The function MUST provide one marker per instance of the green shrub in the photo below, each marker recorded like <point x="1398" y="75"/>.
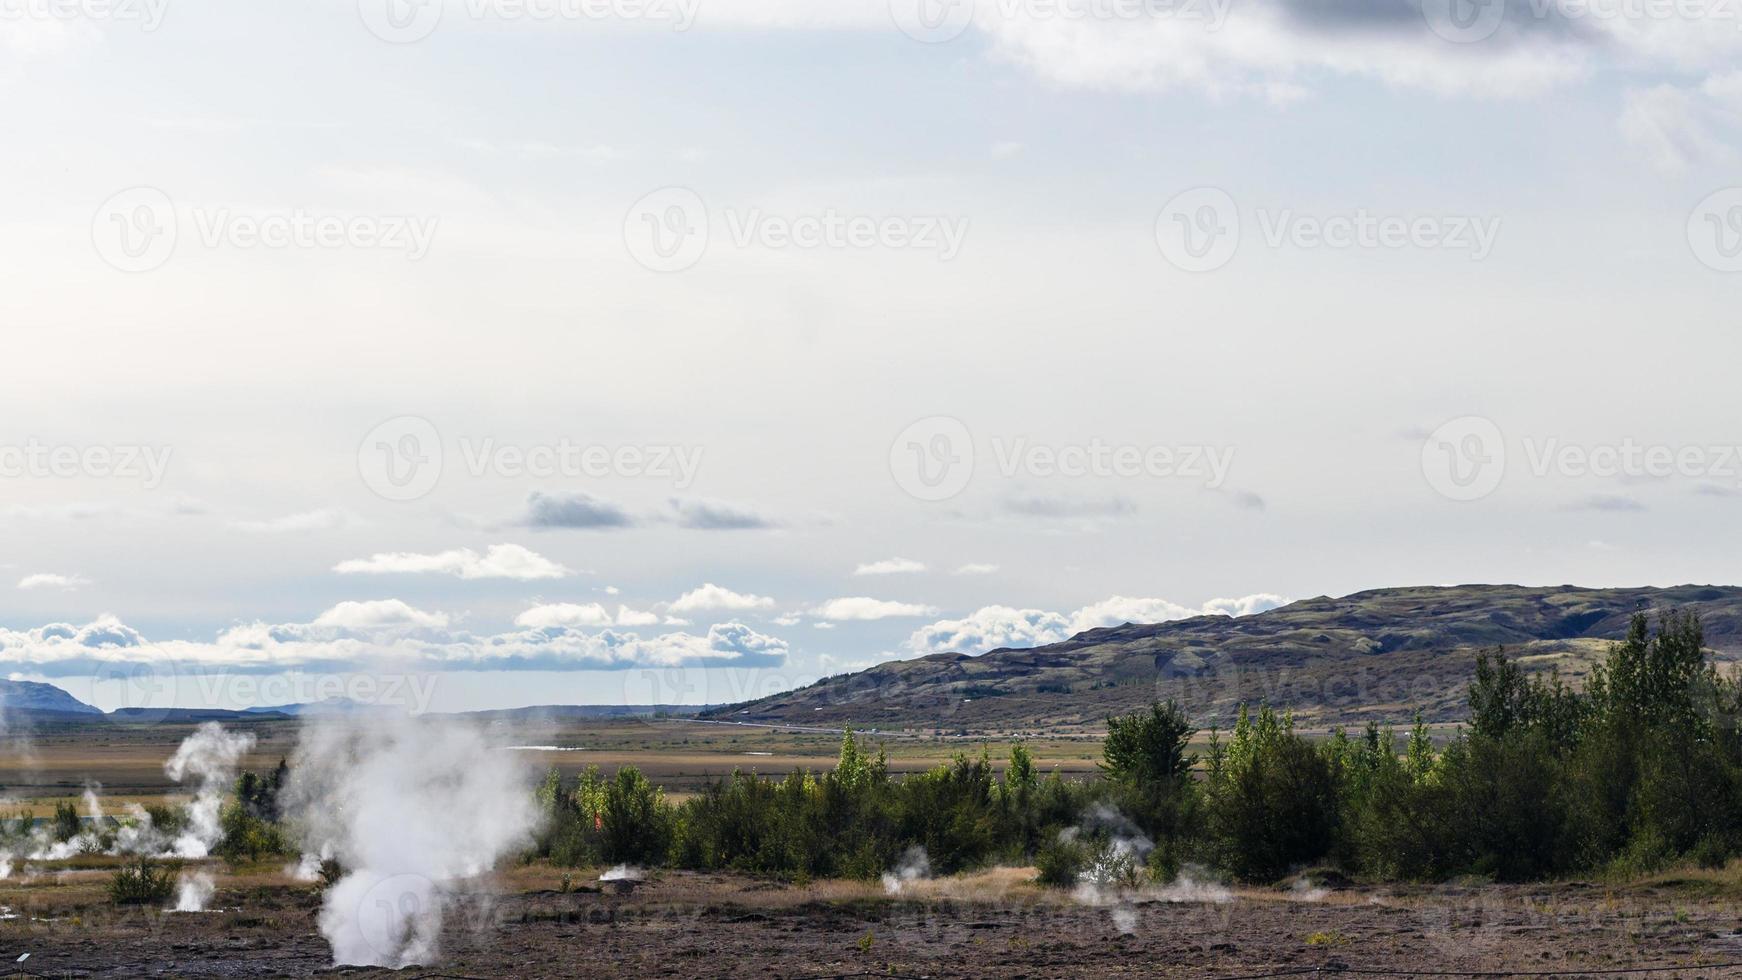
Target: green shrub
<point x="143" y="881"/>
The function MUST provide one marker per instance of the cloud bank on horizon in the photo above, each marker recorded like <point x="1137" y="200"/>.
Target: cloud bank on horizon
<point x="390" y="634"/>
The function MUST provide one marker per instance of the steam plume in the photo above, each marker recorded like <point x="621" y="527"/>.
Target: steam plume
<point x="409" y="807"/>
<point x="210" y="756"/>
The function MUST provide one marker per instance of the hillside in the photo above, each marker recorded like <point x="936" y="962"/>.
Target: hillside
<point x="30" y="696"/>
<point x="1380" y="655"/>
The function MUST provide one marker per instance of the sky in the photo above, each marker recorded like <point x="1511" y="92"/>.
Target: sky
<point x="492" y="353"/>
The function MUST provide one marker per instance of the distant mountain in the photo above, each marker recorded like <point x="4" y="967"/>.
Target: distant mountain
<point x="330" y="706"/>
<point x="44" y="698"/>
<point x="1380" y="655"/>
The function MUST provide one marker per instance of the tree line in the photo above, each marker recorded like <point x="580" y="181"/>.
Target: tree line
<point x="1639" y="770"/>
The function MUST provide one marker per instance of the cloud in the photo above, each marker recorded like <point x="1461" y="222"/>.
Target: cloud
<point x="995" y="627"/>
<point x="713" y="597"/>
<point x="510" y="561"/>
<point x="1612" y="502"/>
<point x="715" y="515"/>
<point x="380" y="614"/>
<point x="1245" y="605"/>
<point x="890" y="566"/>
<point x="582" y="614"/>
<point x="51" y="580"/>
<point x="324" y="519"/>
<point x="1053" y="507"/>
<point x="1674" y="127"/>
<point x="1246" y="499"/>
<point x="388" y="633"/>
<point x="636" y="617"/>
<point x="863" y="608"/>
<point x="975" y="568"/>
<point x="1275" y="50"/>
<point x="573" y="510"/>
<point x="564" y="614"/>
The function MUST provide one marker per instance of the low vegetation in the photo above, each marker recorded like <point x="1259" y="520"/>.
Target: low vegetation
<point x="143" y="881"/>
<point x="1640" y="770"/>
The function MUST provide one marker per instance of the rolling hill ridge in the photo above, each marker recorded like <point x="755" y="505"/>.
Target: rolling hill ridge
<point x="1377" y="655"/>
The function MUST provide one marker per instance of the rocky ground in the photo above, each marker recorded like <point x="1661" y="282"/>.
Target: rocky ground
<point x="997" y="924"/>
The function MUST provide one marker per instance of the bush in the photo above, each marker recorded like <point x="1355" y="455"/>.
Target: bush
<point x="143" y="881"/>
<point x="1061" y="861"/>
<point x="1272" y="799"/>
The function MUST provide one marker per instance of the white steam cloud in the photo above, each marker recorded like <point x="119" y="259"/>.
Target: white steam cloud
<point x="410" y="808"/>
<point x="209" y="756"/>
<point x="915" y="865"/>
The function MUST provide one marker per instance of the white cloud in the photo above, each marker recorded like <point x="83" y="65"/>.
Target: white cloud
<point x="1245" y="605"/>
<point x="382" y="632"/>
<point x="990" y="628"/>
<point x="564" y="614"/>
<point x="890" y="566"/>
<point x="582" y="614"/>
<point x="975" y="568"/>
<point x="510" y="561"/>
<point x="1674" y="127"/>
<point x="324" y="519"/>
<point x="863" y="607"/>
<point x="994" y="627"/>
<point x="51" y="580"/>
<point x="380" y="614"/>
<point x="635" y="617"/>
<point x="713" y="597"/>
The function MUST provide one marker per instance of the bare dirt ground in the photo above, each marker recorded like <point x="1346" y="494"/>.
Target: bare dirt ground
<point x="996" y="924"/>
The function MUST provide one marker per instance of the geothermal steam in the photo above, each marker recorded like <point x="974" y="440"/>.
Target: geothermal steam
<point x="915" y="865"/>
<point x="195" y="891"/>
<point x="209" y="756"/>
<point x="409" y="808"/>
